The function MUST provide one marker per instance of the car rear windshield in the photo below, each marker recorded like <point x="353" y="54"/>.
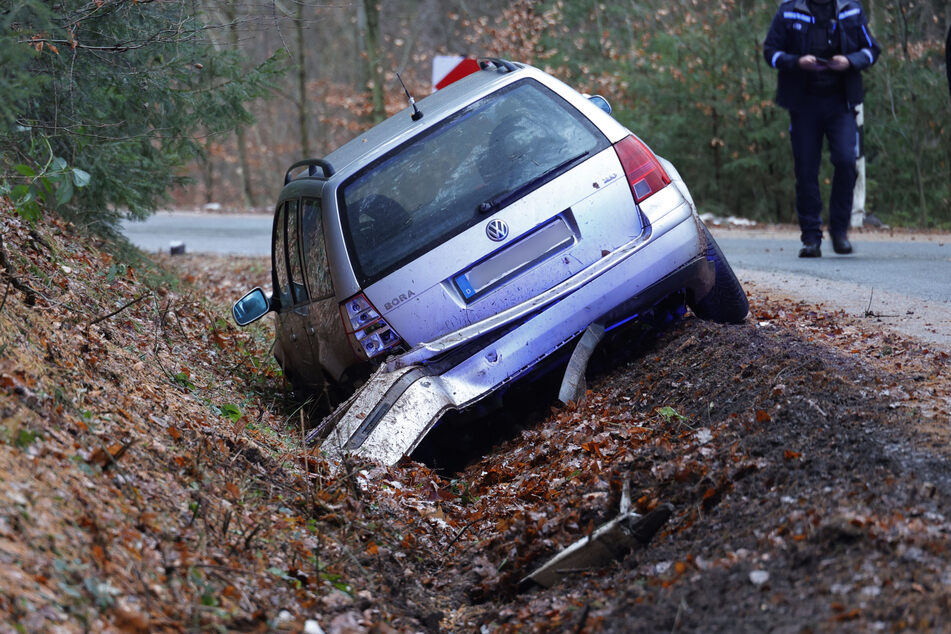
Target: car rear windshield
<point x="484" y="157"/>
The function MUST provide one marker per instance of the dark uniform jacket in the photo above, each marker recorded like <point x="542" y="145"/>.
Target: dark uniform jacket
<point x="789" y="39"/>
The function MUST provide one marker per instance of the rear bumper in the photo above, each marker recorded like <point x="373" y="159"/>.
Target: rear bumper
<point x="665" y="264"/>
<point x="671" y="240"/>
<point x="406" y="397"/>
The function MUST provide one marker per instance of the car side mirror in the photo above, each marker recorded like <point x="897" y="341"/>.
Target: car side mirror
<point x="251" y="307"/>
<point x="600" y="102"/>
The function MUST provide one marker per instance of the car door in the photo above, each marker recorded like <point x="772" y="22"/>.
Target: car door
<point x="323" y="323"/>
<point x="296" y="338"/>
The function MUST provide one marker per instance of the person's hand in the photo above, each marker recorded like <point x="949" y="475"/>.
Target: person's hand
<point x="809" y="62"/>
<point x="839" y="63"/>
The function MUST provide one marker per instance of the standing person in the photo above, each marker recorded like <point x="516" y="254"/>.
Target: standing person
<point x="820" y="48"/>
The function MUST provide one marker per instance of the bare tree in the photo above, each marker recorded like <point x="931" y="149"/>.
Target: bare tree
<point x="303" y="100"/>
<point x="368" y="20"/>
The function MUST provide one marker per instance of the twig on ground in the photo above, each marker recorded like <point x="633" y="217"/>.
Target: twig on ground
<point x="584" y="618"/>
<point x="9" y="273"/>
<point x="120" y="309"/>
<point x="459" y="534"/>
<point x="815" y="405"/>
<point x="248" y="539"/>
<point x="6" y="290"/>
<point x="40" y="239"/>
<point x="786" y="367"/>
<point x="680" y="611"/>
<point x="868" y="309"/>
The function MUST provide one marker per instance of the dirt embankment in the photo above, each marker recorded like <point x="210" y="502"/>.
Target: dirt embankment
<point x="151" y="477"/>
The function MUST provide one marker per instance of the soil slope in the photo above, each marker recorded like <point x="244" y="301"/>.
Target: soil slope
<point x="151" y="476"/>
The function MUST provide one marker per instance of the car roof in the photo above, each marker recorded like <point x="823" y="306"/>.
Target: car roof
<point x="435" y="107"/>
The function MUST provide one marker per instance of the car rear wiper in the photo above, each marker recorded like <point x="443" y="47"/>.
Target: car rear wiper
<point x="503" y="198"/>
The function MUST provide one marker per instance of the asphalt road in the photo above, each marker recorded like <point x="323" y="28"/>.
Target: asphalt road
<point x="903" y="280"/>
<point x="239" y="234"/>
<point x="918" y="268"/>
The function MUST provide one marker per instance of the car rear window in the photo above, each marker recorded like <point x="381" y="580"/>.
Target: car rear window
<point x="457" y="173"/>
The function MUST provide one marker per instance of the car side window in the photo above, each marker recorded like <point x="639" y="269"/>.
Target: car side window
<point x="295" y="267"/>
<point x="279" y="258"/>
<point x="314" y="250"/>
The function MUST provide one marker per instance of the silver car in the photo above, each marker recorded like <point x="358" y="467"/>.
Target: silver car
<point x="453" y="247"/>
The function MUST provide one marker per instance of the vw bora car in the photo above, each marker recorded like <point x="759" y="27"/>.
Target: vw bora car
<point x="469" y="238"/>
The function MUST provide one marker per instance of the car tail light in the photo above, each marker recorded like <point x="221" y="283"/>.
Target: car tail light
<point x="369" y="334"/>
<point x="644" y="172"/>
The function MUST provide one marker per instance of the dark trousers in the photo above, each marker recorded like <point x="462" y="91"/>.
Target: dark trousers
<point x="807" y="130"/>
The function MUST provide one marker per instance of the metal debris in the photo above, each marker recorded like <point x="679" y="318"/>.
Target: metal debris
<point x="609" y="542"/>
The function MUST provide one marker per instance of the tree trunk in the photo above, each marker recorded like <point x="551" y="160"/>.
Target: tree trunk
<point x="716" y="142"/>
<point x="303" y="104"/>
<point x="244" y="169"/>
<point x="920" y="179"/>
<point x="207" y="167"/>
<point x="369" y="15"/>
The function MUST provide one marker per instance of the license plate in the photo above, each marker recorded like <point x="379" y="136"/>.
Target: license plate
<point x="515" y="258"/>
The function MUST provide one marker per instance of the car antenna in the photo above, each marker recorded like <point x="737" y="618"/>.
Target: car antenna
<point x="417" y="115"/>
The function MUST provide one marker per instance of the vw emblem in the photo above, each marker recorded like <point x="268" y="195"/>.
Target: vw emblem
<point x="497" y="230"/>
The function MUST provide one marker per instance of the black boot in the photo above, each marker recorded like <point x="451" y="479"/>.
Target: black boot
<point x="841" y="245"/>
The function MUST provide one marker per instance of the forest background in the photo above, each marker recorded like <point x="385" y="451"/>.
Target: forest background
<point x="117" y="107"/>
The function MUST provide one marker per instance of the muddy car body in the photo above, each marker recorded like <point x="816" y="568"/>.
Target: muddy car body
<point x="466" y="241"/>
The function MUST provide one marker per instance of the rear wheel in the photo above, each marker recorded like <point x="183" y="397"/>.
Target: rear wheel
<point x="726" y="302"/>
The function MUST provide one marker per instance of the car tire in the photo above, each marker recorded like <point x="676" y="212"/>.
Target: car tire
<point x="726" y="302"/>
